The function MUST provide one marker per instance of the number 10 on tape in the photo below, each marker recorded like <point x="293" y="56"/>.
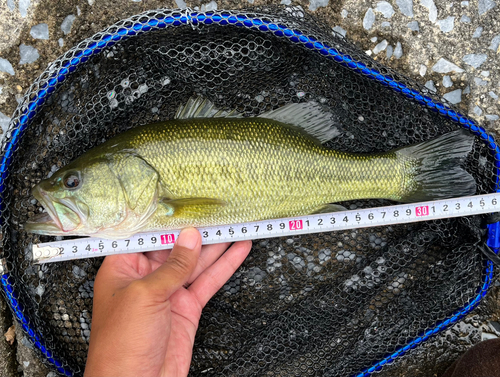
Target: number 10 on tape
<point x="167" y="239"/>
<point x="324" y="222"/>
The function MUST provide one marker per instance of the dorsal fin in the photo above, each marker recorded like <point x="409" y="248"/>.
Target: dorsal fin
<point x="199" y="107"/>
<point x="310" y="116"/>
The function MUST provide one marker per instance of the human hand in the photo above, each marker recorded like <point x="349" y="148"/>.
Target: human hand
<point x="147" y="306"/>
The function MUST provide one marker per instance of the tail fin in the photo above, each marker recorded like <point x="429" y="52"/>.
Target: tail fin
<point x="433" y="168"/>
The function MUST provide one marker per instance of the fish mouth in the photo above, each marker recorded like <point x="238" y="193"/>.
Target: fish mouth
<point x="42" y="223"/>
<point x="50" y="222"/>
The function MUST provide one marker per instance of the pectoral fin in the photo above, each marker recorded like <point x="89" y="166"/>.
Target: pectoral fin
<point x="191" y="208"/>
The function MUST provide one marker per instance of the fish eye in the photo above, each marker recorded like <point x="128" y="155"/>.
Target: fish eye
<point x="72" y="181"/>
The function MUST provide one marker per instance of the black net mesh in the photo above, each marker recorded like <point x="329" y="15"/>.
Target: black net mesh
<point x="328" y="304"/>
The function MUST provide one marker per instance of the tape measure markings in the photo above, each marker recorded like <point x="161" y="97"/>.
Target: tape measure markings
<point x="324" y="222"/>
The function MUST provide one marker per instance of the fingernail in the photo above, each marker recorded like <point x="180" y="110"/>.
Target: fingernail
<point x="188" y="238"/>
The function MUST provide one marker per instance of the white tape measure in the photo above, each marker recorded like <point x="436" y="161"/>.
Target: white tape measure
<point x="324" y="222"/>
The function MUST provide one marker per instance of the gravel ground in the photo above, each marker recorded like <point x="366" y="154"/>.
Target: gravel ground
<point x="452" y="46"/>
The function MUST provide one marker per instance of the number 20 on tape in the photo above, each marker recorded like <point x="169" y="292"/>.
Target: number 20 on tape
<point x="295" y="224"/>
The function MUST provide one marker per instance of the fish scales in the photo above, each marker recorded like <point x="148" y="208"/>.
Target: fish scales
<point x="259" y="168"/>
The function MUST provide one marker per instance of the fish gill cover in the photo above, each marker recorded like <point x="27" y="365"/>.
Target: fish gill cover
<point x="331" y="304"/>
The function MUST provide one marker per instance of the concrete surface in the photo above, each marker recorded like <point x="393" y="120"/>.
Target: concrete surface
<point x="425" y="31"/>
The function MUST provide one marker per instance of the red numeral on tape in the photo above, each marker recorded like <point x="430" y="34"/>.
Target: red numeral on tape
<point x="295" y="224"/>
<point x="167" y="238"/>
<point x="422" y="211"/>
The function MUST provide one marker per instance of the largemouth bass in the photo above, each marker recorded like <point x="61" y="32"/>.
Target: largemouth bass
<point x="212" y="168"/>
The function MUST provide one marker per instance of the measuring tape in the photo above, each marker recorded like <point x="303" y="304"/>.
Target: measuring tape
<point x="325" y="222"/>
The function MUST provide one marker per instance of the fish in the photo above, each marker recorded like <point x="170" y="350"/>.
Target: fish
<point x="209" y="167"/>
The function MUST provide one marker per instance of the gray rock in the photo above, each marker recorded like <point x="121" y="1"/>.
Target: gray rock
<point x="491" y="117"/>
<point x="444" y="66"/>
<point x="286" y="2"/>
<point x="429" y="4"/>
<point x="60" y="41"/>
<point x="484" y="6"/>
<point x="385" y="8"/>
<point x="315" y="4"/>
<point x="405" y="7"/>
<point x="40" y="290"/>
<point x="67" y="23"/>
<point x="493" y="95"/>
<point x="28" y="54"/>
<point x="477" y="110"/>
<point x="28" y="344"/>
<point x="465" y="19"/>
<point x="340" y="30"/>
<point x="480" y="82"/>
<point x="466" y="90"/>
<point x="398" y="51"/>
<point x="6" y="67"/>
<point x="208" y="7"/>
<point x="369" y="19"/>
<point x="485" y="73"/>
<point x="478" y="32"/>
<point x="344" y="13"/>
<point x="464" y="3"/>
<point x="495" y="326"/>
<point x="385" y="24"/>
<point x="40" y="31"/>
<point x="373" y="39"/>
<point x="28" y="361"/>
<point x="495" y="43"/>
<point x="180" y="4"/>
<point x="423" y="70"/>
<point x="413" y="25"/>
<point x="454" y="96"/>
<point x="23" y="7"/>
<point x="389" y="51"/>
<point x="380" y="47"/>
<point x="447" y="81"/>
<point x="4" y="123"/>
<point x="487" y="336"/>
<point x="447" y="24"/>
<point x="475" y="60"/>
<point x="430" y="85"/>
<point x="11" y="5"/>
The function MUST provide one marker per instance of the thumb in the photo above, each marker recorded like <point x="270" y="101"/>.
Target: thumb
<point x="179" y="266"/>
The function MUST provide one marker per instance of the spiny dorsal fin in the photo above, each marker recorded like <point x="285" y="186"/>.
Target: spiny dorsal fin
<point x="310" y="116"/>
<point x="199" y="107"/>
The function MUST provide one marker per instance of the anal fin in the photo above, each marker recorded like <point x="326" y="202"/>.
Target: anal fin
<point x="327" y="208"/>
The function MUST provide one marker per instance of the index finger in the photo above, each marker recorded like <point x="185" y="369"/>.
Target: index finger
<point x="214" y="277"/>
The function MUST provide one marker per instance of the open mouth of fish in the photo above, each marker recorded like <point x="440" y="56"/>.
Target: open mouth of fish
<point x="50" y="222"/>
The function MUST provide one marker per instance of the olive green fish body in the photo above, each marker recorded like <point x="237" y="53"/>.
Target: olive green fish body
<point x="257" y="167"/>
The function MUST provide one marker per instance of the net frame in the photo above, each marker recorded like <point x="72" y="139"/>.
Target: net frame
<point x="61" y="70"/>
